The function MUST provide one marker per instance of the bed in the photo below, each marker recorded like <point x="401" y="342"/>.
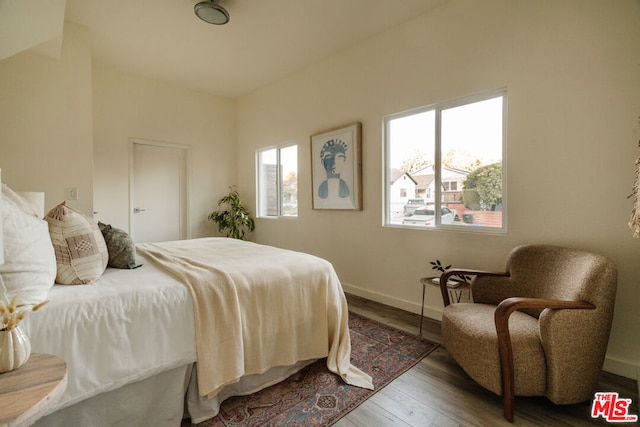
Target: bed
<point x="201" y="320"/>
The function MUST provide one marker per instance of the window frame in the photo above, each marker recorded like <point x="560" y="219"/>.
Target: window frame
<point x="279" y="181"/>
<point x="438" y="108"/>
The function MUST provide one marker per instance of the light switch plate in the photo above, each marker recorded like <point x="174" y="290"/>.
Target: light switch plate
<point x="72" y="193"/>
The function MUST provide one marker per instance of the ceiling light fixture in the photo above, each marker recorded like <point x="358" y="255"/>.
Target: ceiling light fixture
<point x="210" y="11"/>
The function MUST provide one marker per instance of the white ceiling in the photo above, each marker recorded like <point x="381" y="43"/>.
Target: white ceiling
<point x="264" y="41"/>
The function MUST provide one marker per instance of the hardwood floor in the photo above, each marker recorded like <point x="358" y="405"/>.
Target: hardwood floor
<point x="437" y="392"/>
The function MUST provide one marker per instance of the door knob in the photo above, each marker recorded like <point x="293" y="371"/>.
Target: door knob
<point x="138" y="210"/>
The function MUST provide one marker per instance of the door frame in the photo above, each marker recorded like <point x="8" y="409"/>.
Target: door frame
<point x="185" y="230"/>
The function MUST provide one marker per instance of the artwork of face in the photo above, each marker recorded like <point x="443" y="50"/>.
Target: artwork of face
<point x="335" y="168"/>
<point x="334" y="157"/>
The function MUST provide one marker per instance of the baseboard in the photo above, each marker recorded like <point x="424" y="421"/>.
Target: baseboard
<point x="624" y="368"/>
<point x="410" y="306"/>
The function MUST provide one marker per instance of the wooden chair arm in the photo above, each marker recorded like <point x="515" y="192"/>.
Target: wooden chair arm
<point x="502" y="313"/>
<point x="456" y="271"/>
<point x="509" y="305"/>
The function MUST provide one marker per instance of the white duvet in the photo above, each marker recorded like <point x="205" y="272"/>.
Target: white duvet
<point x="133" y="324"/>
<point x="125" y="327"/>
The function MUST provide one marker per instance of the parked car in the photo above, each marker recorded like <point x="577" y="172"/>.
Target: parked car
<point x="426" y="216"/>
<point x="412" y="205"/>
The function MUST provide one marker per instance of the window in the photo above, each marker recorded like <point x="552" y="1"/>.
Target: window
<point x="450" y="185"/>
<point x="278" y="182"/>
<point x="452" y="153"/>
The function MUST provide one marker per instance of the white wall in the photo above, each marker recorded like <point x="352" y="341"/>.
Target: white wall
<point x="67" y="123"/>
<point x="25" y="24"/>
<point x="126" y="107"/>
<point x="571" y="71"/>
<point x="46" y="122"/>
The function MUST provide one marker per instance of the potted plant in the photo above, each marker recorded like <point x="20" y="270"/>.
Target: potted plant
<point x="234" y="219"/>
<point x="15" y="347"/>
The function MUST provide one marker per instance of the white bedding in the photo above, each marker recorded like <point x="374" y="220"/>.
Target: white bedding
<point x="258" y="307"/>
<point x="131" y="325"/>
<point x="127" y="326"/>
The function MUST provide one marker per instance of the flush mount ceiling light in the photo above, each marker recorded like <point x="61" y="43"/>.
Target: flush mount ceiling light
<point x="210" y="11"/>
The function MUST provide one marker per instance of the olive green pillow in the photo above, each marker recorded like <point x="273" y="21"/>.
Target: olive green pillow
<point x="122" y="249"/>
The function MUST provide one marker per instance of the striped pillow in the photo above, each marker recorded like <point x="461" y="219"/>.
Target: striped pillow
<point x="81" y="253"/>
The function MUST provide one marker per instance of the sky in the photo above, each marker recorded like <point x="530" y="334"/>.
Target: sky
<point x="474" y="128"/>
<point x="288" y="158"/>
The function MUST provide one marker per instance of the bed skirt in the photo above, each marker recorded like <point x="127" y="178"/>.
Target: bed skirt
<point x="162" y="400"/>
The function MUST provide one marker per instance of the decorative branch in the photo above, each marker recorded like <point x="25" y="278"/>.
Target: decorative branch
<point x="11" y="315"/>
<point x="437" y="265"/>
<point x="634" y="223"/>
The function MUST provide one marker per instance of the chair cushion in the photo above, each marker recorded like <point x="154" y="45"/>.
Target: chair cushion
<point x="469" y="334"/>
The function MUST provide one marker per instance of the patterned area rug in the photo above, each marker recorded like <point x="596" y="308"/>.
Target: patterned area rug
<point x="316" y="397"/>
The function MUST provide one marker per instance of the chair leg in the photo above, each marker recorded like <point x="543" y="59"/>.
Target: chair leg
<point x="507" y="404"/>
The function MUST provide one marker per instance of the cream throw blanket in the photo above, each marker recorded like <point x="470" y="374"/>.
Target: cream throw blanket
<point x="257" y="307"/>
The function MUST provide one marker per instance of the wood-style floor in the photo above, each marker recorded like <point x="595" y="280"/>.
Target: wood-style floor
<point x="437" y="392"/>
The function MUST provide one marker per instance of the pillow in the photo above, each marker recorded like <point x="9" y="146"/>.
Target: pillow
<point x="29" y="268"/>
<point x="22" y="203"/>
<point x="81" y="253"/>
<point x="122" y="250"/>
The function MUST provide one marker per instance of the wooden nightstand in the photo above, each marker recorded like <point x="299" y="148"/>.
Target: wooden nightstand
<point x="28" y="392"/>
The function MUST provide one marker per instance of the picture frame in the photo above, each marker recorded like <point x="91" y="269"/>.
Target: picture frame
<point x="336" y="168"/>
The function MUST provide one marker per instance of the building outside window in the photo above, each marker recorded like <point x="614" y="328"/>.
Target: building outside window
<point x="453" y="154"/>
<point x="277" y="181"/>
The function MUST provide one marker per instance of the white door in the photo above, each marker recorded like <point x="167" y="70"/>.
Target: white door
<point x="159" y="192"/>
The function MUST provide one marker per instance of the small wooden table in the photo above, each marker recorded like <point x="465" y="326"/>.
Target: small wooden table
<point x="28" y="392"/>
<point x="455" y="294"/>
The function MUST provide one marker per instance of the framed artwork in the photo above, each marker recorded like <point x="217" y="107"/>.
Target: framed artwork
<point x="336" y="168"/>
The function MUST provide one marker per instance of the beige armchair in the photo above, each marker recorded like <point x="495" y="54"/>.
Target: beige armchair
<point x="540" y="328"/>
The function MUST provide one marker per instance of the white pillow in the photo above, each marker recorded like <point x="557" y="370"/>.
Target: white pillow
<point x="81" y="252"/>
<point x="19" y="201"/>
<point x="29" y="270"/>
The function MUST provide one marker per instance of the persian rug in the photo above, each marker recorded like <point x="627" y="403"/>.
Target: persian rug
<point x="316" y="397"/>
